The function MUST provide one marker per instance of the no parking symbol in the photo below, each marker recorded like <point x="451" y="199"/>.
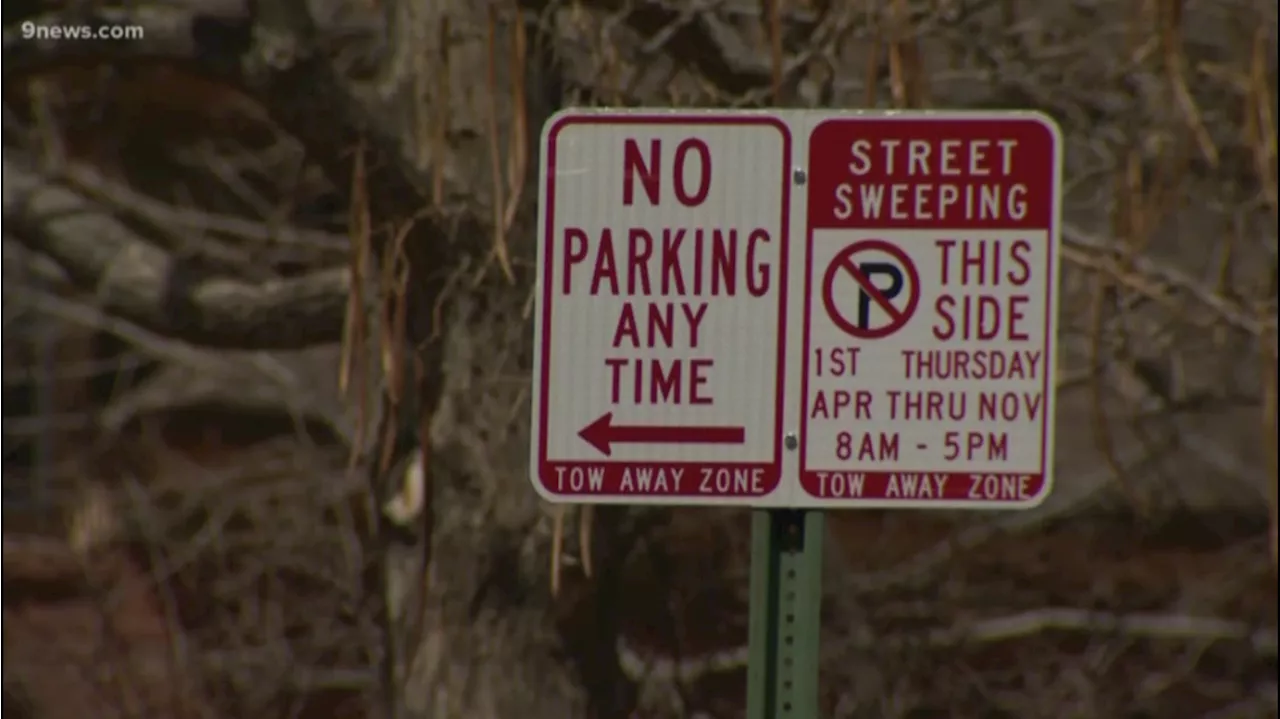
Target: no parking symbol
<point x="871" y="275"/>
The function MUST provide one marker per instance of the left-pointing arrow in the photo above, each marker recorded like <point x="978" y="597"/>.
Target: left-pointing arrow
<point x="603" y="433"/>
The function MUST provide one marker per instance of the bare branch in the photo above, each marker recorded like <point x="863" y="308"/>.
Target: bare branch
<point x="298" y="384"/>
<point x="119" y="196"/>
<point x="146" y="285"/>
<point x="1156" y="280"/>
<point x="39" y="560"/>
<point x="1169" y="627"/>
<point x="673" y="671"/>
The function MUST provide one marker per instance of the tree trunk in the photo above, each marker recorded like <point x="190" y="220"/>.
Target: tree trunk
<point x="430" y="117"/>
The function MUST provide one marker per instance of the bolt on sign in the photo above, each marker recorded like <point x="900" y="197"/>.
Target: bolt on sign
<point x="865" y="317"/>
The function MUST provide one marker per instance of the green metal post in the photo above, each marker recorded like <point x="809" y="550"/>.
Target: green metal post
<point x="786" y="604"/>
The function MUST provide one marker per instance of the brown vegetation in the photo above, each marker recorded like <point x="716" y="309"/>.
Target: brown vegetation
<point x="255" y="257"/>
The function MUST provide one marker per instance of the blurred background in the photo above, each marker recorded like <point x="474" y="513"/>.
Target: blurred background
<point x="257" y="255"/>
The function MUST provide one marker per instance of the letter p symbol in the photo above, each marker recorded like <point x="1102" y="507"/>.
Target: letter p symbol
<point x="871" y="271"/>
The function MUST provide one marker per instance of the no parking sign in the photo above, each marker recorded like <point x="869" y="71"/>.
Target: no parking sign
<point x="896" y="300"/>
<point x="928" y="338"/>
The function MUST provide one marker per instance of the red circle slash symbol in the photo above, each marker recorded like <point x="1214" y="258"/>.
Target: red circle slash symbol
<point x="903" y="279"/>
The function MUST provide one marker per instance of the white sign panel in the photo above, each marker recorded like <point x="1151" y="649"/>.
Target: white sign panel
<point x="661" y="335"/>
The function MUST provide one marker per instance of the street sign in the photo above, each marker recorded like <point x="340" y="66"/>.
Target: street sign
<point x="863" y="319"/>
<point x="661" y="333"/>
<point x="797" y="309"/>
<point x="930" y="311"/>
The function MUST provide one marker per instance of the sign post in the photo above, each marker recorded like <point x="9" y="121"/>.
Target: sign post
<point x="796" y="311"/>
<point x="785" y="612"/>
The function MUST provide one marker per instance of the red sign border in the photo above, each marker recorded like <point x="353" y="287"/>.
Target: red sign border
<point x="1052" y="230"/>
<point x="546" y="276"/>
